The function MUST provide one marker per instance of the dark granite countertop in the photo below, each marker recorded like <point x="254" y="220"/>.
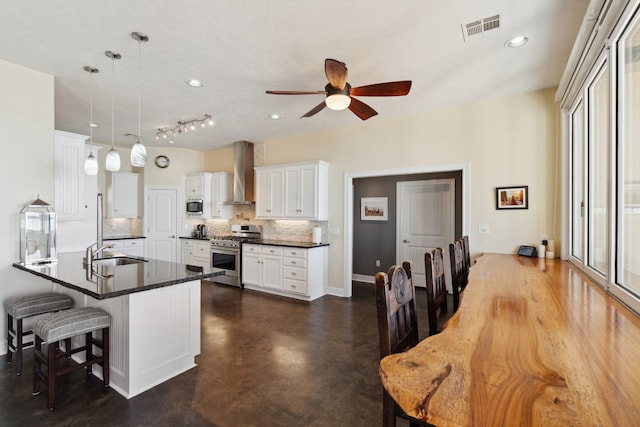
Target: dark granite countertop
<point x="290" y="243"/>
<point x="70" y="272"/>
<point x="195" y="238"/>
<point x="124" y="237"/>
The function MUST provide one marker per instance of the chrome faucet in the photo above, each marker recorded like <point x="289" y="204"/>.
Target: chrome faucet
<point x="91" y="254"/>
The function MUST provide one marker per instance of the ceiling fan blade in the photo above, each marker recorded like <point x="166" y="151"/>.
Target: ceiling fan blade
<point x="336" y="72"/>
<point x="315" y="109"/>
<point x="297" y="92"/>
<point x="361" y="109"/>
<point x="383" y="89"/>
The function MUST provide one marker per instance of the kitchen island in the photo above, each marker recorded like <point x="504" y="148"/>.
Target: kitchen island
<point x="154" y="307"/>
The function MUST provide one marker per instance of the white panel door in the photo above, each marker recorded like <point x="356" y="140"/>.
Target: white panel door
<point x="426" y="220"/>
<point x="161" y="212"/>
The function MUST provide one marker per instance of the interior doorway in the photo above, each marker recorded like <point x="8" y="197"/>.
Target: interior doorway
<point x="425" y="221"/>
<point x="161" y="222"/>
<point x="352" y="214"/>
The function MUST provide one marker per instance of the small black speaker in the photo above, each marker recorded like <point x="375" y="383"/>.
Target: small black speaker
<point x="529" y="251"/>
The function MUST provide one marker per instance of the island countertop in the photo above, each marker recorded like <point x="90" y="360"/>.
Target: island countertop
<point x="108" y="281"/>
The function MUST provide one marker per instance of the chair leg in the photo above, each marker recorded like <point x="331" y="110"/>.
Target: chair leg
<point x="51" y="374"/>
<point x="105" y="357"/>
<point x="88" y="349"/>
<point x="19" y="347"/>
<point x="456" y="298"/>
<point x="37" y="351"/>
<point x="388" y="410"/>
<point x="9" y="337"/>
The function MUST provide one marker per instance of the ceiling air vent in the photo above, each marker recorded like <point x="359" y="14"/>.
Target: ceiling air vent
<point x="477" y="28"/>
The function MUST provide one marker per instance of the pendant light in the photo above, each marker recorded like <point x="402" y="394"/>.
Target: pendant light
<point x="138" y="151"/>
<point x="91" y="163"/>
<point x="113" y="157"/>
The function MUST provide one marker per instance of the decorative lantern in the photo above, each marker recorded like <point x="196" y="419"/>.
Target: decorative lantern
<point x="37" y="233"/>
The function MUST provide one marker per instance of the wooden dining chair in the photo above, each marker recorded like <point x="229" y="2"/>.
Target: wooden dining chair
<point x="397" y="326"/>
<point x="458" y="271"/>
<point x="436" y="287"/>
<point x="467" y="256"/>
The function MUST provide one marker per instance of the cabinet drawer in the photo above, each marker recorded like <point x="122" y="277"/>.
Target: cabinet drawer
<point x="272" y="250"/>
<point x="297" y="286"/>
<point x="133" y="243"/>
<point x="186" y="243"/>
<point x="295" y="262"/>
<point x="295" y="252"/>
<point x="294" y="273"/>
<point x="201" y="249"/>
<point x="252" y="249"/>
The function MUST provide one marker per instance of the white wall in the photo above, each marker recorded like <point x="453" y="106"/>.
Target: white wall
<point x="27" y="123"/>
<point x="507" y="142"/>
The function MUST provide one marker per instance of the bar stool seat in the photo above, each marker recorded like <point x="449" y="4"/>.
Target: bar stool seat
<point x="63" y="326"/>
<point x="22" y="307"/>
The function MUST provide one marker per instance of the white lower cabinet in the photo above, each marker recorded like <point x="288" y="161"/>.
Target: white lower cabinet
<point x="196" y="252"/>
<point x="295" y="272"/>
<point x="133" y="247"/>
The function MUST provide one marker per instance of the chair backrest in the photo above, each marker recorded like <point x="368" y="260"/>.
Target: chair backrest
<point x="396" y="305"/>
<point x="436" y="286"/>
<point x="458" y="271"/>
<point x="467" y="256"/>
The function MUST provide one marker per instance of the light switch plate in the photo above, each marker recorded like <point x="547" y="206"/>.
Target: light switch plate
<point x="483" y="229"/>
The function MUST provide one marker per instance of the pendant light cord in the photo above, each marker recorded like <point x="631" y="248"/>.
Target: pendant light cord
<point x="113" y="109"/>
<point x="139" y="87"/>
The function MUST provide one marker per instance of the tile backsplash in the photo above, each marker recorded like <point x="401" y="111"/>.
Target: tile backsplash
<point x="294" y="230"/>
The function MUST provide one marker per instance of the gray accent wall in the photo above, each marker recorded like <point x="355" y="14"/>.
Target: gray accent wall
<point x="376" y="240"/>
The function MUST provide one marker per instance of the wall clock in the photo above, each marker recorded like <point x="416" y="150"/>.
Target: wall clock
<point x="162" y="161"/>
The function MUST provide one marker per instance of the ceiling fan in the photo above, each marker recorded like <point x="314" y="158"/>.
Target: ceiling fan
<point x="340" y="94"/>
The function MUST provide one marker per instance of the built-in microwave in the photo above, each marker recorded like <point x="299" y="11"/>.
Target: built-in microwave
<point x="195" y="207"/>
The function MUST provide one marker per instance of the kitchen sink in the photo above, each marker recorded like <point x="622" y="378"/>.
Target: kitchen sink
<point x="113" y="261"/>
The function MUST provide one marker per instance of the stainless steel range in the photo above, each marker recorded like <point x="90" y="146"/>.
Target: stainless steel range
<point x="226" y="252"/>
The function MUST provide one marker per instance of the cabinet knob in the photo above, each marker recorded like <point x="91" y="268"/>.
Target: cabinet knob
<point x="293" y="262"/>
<point x="293" y="273"/>
<point x="293" y="286"/>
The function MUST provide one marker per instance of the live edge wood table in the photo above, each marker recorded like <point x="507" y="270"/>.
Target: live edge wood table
<point x="534" y="343"/>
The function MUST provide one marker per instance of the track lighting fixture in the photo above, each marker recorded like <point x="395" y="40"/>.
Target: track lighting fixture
<point x="184" y="127"/>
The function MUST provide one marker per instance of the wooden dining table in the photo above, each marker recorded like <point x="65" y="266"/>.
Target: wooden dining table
<point x="533" y="343"/>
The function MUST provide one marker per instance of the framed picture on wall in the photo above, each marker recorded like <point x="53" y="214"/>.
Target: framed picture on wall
<point x="512" y="197"/>
<point x="374" y="209"/>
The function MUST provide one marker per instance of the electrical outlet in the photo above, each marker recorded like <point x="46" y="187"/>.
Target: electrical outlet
<point x="483" y="229"/>
<point x="377" y="263"/>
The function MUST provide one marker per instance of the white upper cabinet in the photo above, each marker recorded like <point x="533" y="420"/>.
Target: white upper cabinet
<point x="270" y="193"/>
<point x="198" y="184"/>
<point x="122" y="195"/>
<point x="69" y="176"/>
<point x="304" y="191"/>
<point x="221" y="192"/>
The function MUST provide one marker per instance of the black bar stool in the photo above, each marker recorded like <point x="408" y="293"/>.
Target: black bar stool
<point x="20" y="308"/>
<point x="63" y="326"/>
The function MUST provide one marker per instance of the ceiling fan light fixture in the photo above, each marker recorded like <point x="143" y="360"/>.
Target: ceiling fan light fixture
<point x="338" y="101"/>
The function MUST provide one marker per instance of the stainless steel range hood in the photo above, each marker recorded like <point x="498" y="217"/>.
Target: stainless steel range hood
<point x="243" y="174"/>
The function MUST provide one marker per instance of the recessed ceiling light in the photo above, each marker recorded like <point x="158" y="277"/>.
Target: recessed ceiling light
<point x="517" y="41"/>
<point x="171" y="142"/>
<point x="275" y="116"/>
<point x="194" y="83"/>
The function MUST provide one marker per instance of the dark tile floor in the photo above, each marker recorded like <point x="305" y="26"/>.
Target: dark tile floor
<point x="265" y="361"/>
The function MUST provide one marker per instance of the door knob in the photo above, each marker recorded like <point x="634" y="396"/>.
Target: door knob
<point x="172" y="237"/>
<point x="407" y="241"/>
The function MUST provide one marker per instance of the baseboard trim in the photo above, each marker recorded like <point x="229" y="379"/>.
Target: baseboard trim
<point x="363" y="278"/>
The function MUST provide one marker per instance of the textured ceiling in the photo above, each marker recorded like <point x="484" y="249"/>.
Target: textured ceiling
<point x="241" y="48"/>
